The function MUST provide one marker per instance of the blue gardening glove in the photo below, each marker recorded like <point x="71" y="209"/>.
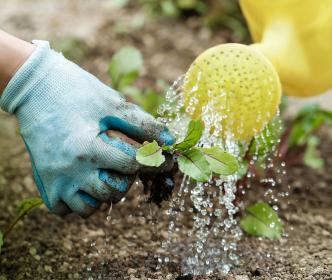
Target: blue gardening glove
<point x="63" y="113"/>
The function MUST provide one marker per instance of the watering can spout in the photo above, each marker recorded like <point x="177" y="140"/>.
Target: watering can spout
<point x="296" y="36"/>
<point x="279" y="41"/>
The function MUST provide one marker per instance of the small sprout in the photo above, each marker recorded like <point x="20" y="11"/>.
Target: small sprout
<point x="150" y="155"/>
<point x="311" y="157"/>
<point x="197" y="163"/>
<point x="307" y="121"/>
<point x="125" y="67"/>
<point x="262" y="220"/>
<point x="24" y="207"/>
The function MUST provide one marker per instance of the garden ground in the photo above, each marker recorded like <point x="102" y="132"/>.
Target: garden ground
<point x="44" y="246"/>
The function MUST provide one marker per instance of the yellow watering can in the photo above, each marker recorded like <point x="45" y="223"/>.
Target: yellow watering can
<point x="240" y="85"/>
<point x="296" y="36"/>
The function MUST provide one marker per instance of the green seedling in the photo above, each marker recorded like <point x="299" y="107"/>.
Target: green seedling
<point x="300" y="136"/>
<point x="196" y="162"/>
<point x="24" y="207"/>
<point x="261" y="220"/>
<point x="124" y="69"/>
<point x="293" y="143"/>
<point x="311" y="157"/>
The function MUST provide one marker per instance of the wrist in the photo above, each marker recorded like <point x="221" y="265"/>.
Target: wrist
<point x="13" y="53"/>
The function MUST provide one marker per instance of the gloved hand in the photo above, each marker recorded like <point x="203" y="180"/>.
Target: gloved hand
<point x="63" y="114"/>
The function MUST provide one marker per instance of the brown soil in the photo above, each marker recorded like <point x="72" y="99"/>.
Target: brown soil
<point x="44" y="246"/>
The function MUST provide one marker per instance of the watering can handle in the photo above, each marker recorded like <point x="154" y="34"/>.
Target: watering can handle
<point x="300" y="49"/>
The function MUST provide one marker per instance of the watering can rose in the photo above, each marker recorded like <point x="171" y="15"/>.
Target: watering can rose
<point x="236" y="84"/>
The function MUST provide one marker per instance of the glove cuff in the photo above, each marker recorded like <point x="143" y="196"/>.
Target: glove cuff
<point x="27" y="77"/>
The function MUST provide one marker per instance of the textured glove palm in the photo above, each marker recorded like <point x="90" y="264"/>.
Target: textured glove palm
<point x="63" y="113"/>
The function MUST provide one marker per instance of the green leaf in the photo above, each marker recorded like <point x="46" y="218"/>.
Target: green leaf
<point x="262" y="220"/>
<point x="169" y="9"/>
<point x="194" y="164"/>
<point x="327" y="117"/>
<point x="311" y="157"/>
<point x="126" y="80"/>
<point x="303" y="128"/>
<point x="308" y="119"/>
<point x="194" y="133"/>
<point x="308" y="110"/>
<point x="125" y="66"/>
<point x="150" y="155"/>
<point x="26" y="205"/>
<point x="221" y="162"/>
<point x="1" y="240"/>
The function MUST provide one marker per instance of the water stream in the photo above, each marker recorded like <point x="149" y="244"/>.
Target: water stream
<point x="203" y="230"/>
<point x="205" y="214"/>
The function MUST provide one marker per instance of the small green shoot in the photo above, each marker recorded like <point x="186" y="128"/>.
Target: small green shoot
<point x="197" y="163"/>
<point x="28" y="204"/>
<point x="307" y="121"/>
<point x="261" y="220"/>
<point x="311" y="157"/>
<point x="125" y="67"/>
<point x="24" y="207"/>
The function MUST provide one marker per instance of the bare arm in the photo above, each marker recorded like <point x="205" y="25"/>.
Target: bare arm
<point x="13" y="53"/>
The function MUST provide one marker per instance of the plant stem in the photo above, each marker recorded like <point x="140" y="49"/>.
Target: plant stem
<point x="17" y="219"/>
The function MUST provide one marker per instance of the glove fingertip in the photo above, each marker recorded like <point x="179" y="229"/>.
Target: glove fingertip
<point x="88" y="199"/>
<point x="166" y="138"/>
